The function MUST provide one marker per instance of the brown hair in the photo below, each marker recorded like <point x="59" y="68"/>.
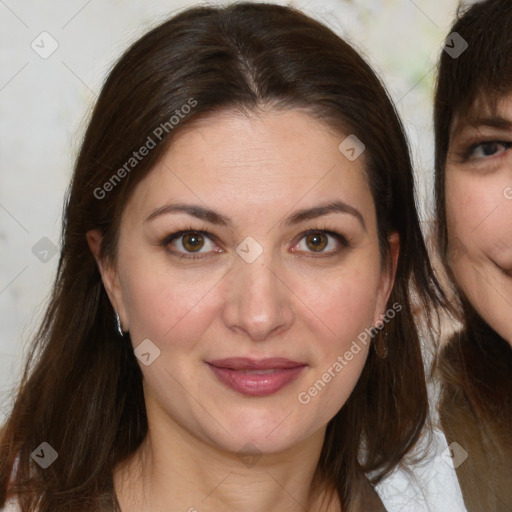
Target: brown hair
<point x="82" y="387"/>
<point x="480" y="361"/>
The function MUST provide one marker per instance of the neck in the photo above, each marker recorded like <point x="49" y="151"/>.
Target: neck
<point x="173" y="470"/>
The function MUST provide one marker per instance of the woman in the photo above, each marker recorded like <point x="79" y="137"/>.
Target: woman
<point x="231" y="321"/>
<point x="473" y="122"/>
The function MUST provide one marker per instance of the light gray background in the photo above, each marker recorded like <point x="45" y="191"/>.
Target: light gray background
<point x="44" y="104"/>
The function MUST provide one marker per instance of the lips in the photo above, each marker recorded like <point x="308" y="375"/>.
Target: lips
<point x="253" y="377"/>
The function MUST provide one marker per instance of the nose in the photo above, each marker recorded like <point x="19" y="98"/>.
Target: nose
<point x="258" y="303"/>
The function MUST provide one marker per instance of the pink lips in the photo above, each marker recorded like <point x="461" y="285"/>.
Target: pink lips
<point x="253" y="377"/>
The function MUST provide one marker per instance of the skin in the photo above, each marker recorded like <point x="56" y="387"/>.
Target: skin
<point x="291" y="302"/>
<point x="479" y="212"/>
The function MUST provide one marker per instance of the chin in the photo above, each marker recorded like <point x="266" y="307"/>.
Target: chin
<point x="261" y="433"/>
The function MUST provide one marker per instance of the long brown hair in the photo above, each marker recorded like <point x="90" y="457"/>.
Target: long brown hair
<point x="82" y="388"/>
<point x="479" y="361"/>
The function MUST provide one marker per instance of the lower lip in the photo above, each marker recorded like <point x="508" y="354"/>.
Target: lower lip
<point x="256" y="384"/>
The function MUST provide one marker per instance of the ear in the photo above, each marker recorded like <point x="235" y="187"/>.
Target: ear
<point x="109" y="276"/>
<point x="387" y="278"/>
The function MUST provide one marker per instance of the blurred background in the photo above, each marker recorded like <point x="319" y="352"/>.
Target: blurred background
<point x="54" y="57"/>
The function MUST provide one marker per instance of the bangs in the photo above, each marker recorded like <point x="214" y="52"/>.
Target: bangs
<point x="482" y="73"/>
<point x="485" y="109"/>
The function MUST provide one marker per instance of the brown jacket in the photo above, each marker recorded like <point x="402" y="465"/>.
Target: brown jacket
<point x="476" y="413"/>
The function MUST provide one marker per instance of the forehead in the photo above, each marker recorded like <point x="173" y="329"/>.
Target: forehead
<point x="232" y="138"/>
<point x="266" y="159"/>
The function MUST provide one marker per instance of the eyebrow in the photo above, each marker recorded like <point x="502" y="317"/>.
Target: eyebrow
<point x="209" y="215"/>
<point x="201" y="212"/>
<point x="477" y="122"/>
<point x="326" y="209"/>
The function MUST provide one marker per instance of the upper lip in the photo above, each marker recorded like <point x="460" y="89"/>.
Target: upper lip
<point x="245" y="363"/>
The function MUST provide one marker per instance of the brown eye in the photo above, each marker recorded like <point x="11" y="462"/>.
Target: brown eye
<point x="321" y="243"/>
<point x="317" y="241"/>
<point x="192" y="242"/>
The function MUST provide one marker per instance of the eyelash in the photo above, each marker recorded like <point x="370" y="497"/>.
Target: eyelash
<point x="342" y="240"/>
<point x="467" y="154"/>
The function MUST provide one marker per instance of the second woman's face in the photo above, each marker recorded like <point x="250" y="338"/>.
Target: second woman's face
<point x="248" y="260"/>
<point x="479" y="212"/>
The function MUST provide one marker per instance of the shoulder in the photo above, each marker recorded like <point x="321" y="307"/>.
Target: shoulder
<point x="429" y="485"/>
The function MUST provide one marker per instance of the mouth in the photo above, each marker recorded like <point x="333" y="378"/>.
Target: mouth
<point x="504" y="268"/>
<point x="253" y="377"/>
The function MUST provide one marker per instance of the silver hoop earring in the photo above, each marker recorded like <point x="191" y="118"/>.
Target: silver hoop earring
<point x="119" y="326"/>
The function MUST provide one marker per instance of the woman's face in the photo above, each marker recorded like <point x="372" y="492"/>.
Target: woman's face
<point x="249" y="258"/>
<point x="479" y="212"/>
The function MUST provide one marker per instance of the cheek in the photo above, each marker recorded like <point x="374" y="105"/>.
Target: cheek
<point x="500" y="249"/>
<point x="341" y="304"/>
<point x="462" y="208"/>
<point x="478" y="217"/>
<point x="163" y="304"/>
<point x="347" y="307"/>
<point x="346" y="303"/>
